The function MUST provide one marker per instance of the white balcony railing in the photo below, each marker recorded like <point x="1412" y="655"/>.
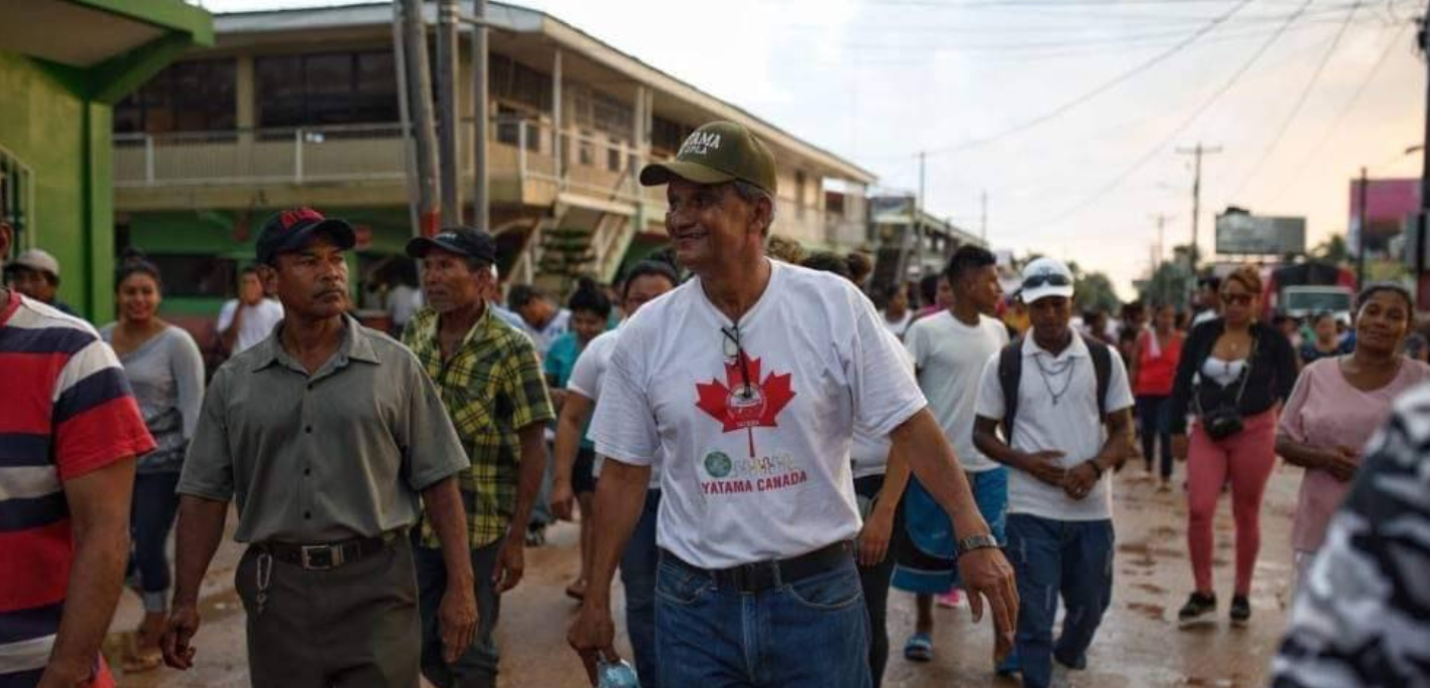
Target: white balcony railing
<point x="518" y="149"/>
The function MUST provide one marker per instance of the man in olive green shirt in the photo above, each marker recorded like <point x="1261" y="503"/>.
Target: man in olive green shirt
<point x="324" y="435"/>
<point x="491" y="384"/>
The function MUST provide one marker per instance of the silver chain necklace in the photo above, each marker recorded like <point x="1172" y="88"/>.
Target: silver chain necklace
<point x="1057" y="369"/>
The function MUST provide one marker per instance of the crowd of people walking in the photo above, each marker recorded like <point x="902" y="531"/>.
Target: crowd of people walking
<point x="760" y="451"/>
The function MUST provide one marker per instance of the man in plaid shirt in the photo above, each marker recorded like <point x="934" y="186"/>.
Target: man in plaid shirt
<point x="489" y="379"/>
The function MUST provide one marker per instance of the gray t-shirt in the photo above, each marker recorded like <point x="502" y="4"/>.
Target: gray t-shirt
<point x="339" y="454"/>
<point x="167" y="375"/>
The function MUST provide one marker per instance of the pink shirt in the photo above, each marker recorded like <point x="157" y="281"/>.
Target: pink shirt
<point x="1327" y="411"/>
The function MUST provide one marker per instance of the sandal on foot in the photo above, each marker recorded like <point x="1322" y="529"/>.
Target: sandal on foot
<point x="919" y="648"/>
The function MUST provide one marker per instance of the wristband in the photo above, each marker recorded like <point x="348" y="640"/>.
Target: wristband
<point x="973" y="542"/>
<point x="1096" y="468"/>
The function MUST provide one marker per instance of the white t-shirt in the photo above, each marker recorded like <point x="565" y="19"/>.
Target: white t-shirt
<point x="1071" y="426"/>
<point x="753" y="475"/>
<point x="897" y="327"/>
<point x="402" y="303"/>
<point x="558" y="325"/>
<point x="869" y="453"/>
<point x="950" y="357"/>
<point x="586" y="381"/>
<point x="258" y="322"/>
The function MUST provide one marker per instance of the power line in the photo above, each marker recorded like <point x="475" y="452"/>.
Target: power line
<point x="1296" y="109"/>
<point x="1103" y="88"/>
<point x="1147" y="157"/>
<point x="1350" y="106"/>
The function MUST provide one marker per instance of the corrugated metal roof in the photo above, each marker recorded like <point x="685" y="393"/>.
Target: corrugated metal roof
<point x="507" y="17"/>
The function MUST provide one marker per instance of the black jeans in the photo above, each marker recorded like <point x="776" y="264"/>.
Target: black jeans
<point x="875" y="581"/>
<point x="1154" y="424"/>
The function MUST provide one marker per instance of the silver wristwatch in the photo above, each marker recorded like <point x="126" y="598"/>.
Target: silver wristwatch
<point x="973" y="542"/>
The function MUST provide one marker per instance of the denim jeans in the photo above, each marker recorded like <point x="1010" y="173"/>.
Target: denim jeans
<point x="1154" y="425"/>
<point x="541" y="515"/>
<point x="477" y="667"/>
<point x="1052" y="559"/>
<point x="638" y="566"/>
<point x="812" y="633"/>
<point x="151" y="517"/>
<point x="875" y="583"/>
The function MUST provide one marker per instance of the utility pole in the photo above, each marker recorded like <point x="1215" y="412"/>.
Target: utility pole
<point x="448" y="120"/>
<point x="919" y="216"/>
<point x="419" y="95"/>
<point x="983" y="215"/>
<point x="399" y="58"/>
<point x="1197" y="152"/>
<point x="1360" y="233"/>
<point x="1422" y="277"/>
<point x="481" y="196"/>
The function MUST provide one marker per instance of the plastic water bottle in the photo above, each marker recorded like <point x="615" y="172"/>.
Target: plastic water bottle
<point x="616" y="675"/>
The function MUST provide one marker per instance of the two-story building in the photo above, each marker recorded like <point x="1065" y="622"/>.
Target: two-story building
<point x="301" y="107"/>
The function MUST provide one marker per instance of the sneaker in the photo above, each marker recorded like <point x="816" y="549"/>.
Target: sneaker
<point x="1198" y="610"/>
<point x="952" y="599"/>
<point x="536" y="536"/>
<point x="1240" y="611"/>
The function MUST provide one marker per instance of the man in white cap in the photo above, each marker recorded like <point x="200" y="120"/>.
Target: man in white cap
<point x="36" y="274"/>
<point x="1053" y="392"/>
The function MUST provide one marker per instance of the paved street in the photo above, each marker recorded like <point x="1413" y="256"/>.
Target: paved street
<point x="1138" y="646"/>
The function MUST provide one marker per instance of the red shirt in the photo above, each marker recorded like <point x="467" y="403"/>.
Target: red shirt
<point x="68" y="411"/>
<point x="1155" y="373"/>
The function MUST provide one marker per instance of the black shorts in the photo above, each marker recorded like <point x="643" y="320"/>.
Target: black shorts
<point x="583" y="474"/>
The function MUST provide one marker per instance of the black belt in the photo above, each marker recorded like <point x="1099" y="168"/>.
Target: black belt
<point x="328" y="556"/>
<point x="764" y="575"/>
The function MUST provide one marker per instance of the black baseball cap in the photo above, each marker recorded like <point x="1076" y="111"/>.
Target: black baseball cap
<point x="465" y="241"/>
<point x="291" y="230"/>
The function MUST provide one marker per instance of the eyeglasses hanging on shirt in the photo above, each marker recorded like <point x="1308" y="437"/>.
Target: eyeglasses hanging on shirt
<point x="734" y="350"/>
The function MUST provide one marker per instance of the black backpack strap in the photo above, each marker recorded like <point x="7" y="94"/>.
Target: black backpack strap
<point x="1010" y="373"/>
<point x="1102" y="369"/>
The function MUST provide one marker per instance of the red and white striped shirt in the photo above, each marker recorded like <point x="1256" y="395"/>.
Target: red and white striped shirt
<point x="65" y="410"/>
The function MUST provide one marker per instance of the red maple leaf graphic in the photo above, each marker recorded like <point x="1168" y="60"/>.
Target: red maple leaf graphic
<point x="745" y="405"/>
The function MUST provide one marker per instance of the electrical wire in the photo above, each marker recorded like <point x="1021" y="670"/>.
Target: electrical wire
<point x="1181" y="127"/>
<point x="1100" y="89"/>
<point x="1350" y="106"/>
<point x="1295" y="109"/>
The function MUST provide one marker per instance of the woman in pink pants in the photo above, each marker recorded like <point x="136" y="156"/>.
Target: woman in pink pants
<point x="1234" y="373"/>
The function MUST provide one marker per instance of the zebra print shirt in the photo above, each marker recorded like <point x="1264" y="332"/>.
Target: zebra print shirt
<point x="1362" y="616"/>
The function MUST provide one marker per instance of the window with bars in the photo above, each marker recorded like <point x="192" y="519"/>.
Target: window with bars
<point x="326" y="88"/>
<point x="15" y="195"/>
<point x="197" y="95"/>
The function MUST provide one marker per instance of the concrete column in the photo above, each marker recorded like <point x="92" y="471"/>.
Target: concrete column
<point x="558" y="142"/>
<point x="246" y="98"/>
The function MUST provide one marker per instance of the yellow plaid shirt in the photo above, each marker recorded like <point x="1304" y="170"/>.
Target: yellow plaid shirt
<point x="492" y="386"/>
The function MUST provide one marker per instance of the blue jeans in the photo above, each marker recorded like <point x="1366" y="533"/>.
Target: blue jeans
<point x="1052" y="559"/>
<point x="477" y="667"/>
<point x="151" y="516"/>
<point x="638" y="567"/>
<point x="812" y="633"/>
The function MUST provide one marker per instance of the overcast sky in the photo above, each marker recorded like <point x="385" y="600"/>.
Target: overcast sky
<point x="879" y="80"/>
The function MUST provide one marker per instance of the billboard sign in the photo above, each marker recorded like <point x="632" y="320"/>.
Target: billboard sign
<point x="1241" y="233"/>
<point x="1388" y="202"/>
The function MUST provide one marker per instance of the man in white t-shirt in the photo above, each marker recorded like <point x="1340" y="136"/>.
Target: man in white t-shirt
<point x="248" y="319"/>
<point x="950" y="349"/>
<point x="1060" y="536"/>
<point x="644" y="282"/>
<point x="545" y="323"/>
<point x="744" y="383"/>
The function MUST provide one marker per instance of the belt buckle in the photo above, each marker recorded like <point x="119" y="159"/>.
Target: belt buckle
<point x="321" y="557"/>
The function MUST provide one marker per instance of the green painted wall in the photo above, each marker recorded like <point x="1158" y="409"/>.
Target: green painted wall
<point x="212" y="233"/>
<point x="45" y="125"/>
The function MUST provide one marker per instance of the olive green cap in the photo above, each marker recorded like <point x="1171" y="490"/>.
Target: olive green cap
<point x="716" y="153"/>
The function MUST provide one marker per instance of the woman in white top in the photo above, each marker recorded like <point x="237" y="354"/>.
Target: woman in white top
<point x="897" y="315"/>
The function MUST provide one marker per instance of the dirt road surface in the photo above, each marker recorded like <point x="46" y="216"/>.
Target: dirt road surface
<point x="1138" y="646"/>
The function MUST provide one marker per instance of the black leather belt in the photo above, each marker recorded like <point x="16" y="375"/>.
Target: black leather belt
<point x="328" y="556"/>
<point x="765" y="575"/>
